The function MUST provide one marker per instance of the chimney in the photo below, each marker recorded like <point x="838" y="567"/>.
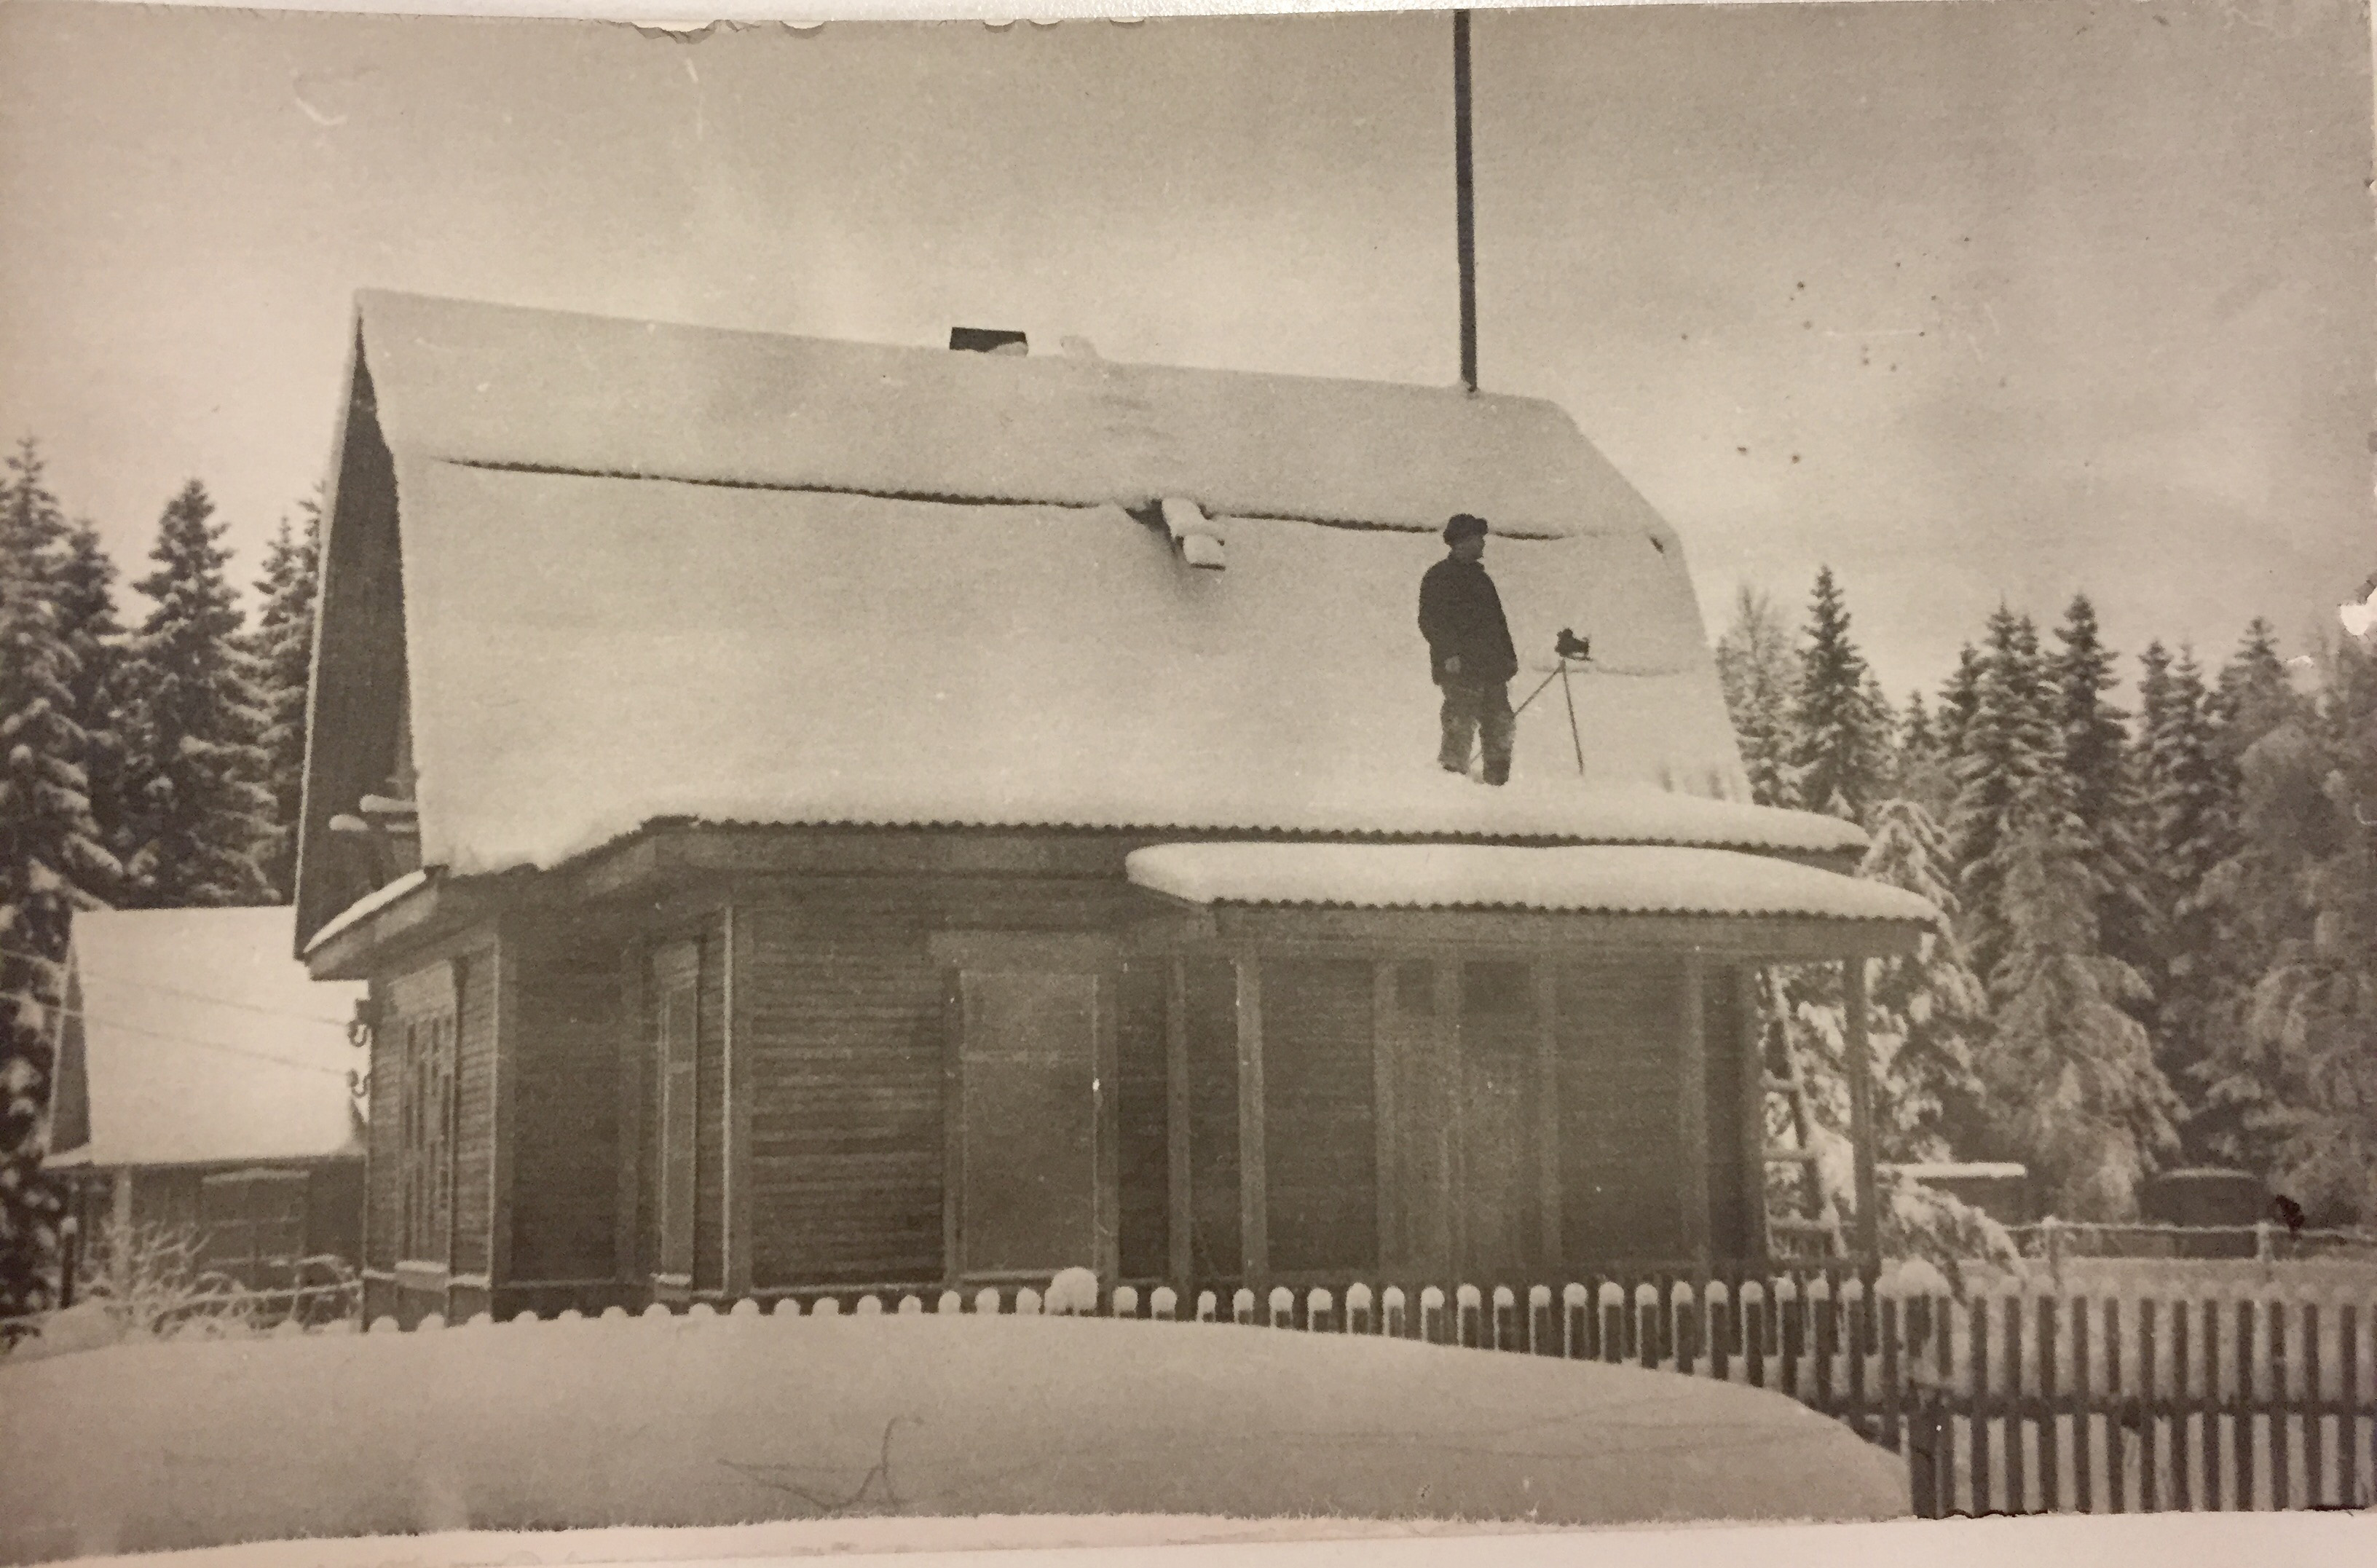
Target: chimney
<point x="985" y="339"/>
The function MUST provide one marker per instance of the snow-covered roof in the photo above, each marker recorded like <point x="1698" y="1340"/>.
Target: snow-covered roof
<point x="199" y="1039"/>
<point x="771" y="633"/>
<point x="1610" y="879"/>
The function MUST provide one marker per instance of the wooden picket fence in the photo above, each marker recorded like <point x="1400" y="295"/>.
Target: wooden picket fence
<point x="2001" y="1404"/>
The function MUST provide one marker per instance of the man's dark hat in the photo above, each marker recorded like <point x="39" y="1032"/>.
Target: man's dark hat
<point x="1464" y="526"/>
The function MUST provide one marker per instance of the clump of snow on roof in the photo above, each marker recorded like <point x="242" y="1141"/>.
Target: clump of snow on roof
<point x="1951" y="1169"/>
<point x="1630" y="879"/>
<point x="753" y="656"/>
<point x="204" y="1040"/>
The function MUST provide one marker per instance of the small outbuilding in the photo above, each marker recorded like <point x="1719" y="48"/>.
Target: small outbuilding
<point x="816" y="815"/>
<point x="207" y="1081"/>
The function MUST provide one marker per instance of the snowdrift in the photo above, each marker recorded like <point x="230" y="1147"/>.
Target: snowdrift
<point x="730" y="1420"/>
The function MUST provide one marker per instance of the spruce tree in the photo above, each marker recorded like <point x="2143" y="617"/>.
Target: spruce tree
<point x="2009" y="748"/>
<point x="201" y="810"/>
<point x="1930" y="1010"/>
<point x="1923" y="768"/>
<point x="284" y="652"/>
<point x="2259" y="900"/>
<point x="49" y="852"/>
<point x="1838" y="750"/>
<point x="86" y="600"/>
<point x="2311" y="1026"/>
<point x="1754" y="667"/>
<point x="2099" y="771"/>
<point x="2191" y="830"/>
<point x="1960" y="698"/>
<point x="2073" y="1087"/>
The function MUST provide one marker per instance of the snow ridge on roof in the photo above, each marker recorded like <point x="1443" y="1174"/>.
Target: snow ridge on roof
<point x="553" y="390"/>
<point x="1606" y="878"/>
<point x="204" y="1041"/>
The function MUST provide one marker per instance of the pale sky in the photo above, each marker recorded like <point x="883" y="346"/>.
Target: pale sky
<point x="1969" y="301"/>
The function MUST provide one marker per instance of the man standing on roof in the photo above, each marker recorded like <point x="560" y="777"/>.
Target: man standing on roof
<point x="1469" y="650"/>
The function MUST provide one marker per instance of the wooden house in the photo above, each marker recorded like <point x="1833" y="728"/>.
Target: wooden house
<point x="205" y="1084"/>
<point x="816" y="814"/>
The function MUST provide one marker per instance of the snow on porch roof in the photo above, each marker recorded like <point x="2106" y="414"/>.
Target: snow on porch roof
<point x="505" y="387"/>
<point x="1602" y="878"/>
<point x="202" y="1040"/>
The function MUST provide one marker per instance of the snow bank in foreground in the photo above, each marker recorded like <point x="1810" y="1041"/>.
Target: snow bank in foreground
<point x="727" y="1420"/>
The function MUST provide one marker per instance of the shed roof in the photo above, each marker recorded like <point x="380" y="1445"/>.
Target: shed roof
<point x="196" y="1038"/>
<point x="1608" y="878"/>
<point x="623" y="571"/>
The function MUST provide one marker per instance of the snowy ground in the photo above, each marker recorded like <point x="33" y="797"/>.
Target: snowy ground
<point x="695" y="1421"/>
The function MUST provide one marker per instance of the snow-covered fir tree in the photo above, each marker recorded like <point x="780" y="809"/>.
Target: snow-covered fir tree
<point x="1930" y="1010"/>
<point x="284" y="652"/>
<point x="2008" y="747"/>
<point x="1960" y="698"/>
<point x="2191" y="816"/>
<point x="49" y="850"/>
<point x="85" y="595"/>
<point x="2260" y="905"/>
<point x="2103" y="780"/>
<point x="1755" y="667"/>
<point x="2312" y="1022"/>
<point x="1923" y="771"/>
<point x="201" y="810"/>
<point x="1839" y="753"/>
<point x="2073" y="1091"/>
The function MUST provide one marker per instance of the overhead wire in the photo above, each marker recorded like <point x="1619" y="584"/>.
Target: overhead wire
<point x="158" y="986"/>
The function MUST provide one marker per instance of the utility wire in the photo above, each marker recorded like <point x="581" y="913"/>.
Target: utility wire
<point x="192" y="1040"/>
<point x="117" y="979"/>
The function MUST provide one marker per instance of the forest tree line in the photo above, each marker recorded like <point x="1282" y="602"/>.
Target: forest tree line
<point x="142" y="766"/>
<point x="2163" y="923"/>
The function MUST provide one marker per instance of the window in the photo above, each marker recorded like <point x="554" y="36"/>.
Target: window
<point x="254" y="1223"/>
<point x="425" y="1013"/>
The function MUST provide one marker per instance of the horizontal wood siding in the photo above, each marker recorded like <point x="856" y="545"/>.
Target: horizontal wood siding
<point x="565" y="1116"/>
<point x="1320" y="1115"/>
<point x="1142" y="1154"/>
<point x="846" y="1010"/>
<point x="1213" y="1119"/>
<point x="474" y="1110"/>
<point x="709" y="1118"/>
<point x="1617" y="1030"/>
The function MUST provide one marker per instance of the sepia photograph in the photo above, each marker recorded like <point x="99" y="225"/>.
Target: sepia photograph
<point x="1464" y="778"/>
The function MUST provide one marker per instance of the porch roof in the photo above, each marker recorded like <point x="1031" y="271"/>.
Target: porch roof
<point x="1595" y="879"/>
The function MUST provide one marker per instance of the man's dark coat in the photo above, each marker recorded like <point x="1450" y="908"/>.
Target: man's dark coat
<point x="1460" y="616"/>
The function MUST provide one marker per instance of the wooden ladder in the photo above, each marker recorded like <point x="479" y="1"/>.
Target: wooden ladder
<point x="1815" y="1218"/>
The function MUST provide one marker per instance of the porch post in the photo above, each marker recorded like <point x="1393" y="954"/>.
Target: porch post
<point x="735" y="1197"/>
<point x="1691" y="1109"/>
<point x="632" y="1071"/>
<point x="1254" y="1204"/>
<point x="1180" y="1229"/>
<point x="1450" y="1080"/>
<point x="1386" y="1117"/>
<point x="1869" y="1218"/>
